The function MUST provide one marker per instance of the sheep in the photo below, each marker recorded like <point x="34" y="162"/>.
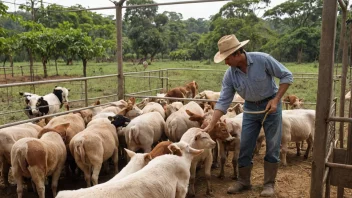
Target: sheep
<point x="93" y="146"/>
<point x="178" y="123"/>
<point x="50" y="103"/>
<point x="39" y="158"/>
<point x="294" y="102"/>
<point x="129" y="109"/>
<point x="8" y="137"/>
<point x="77" y="124"/>
<point x="154" y="107"/>
<point x="27" y="109"/>
<point x="139" y="160"/>
<point x="297" y="125"/>
<point x="198" y="139"/>
<point x="165" y="176"/>
<point x="143" y="131"/>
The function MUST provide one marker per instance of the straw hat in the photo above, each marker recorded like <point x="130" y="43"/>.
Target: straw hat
<point x="227" y="45"/>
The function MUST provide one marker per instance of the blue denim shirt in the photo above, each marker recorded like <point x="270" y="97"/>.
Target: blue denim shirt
<point x="255" y="85"/>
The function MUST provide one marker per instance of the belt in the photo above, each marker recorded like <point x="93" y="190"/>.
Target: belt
<point x="262" y="101"/>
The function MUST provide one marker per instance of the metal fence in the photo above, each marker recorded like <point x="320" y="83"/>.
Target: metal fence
<point x="84" y="91"/>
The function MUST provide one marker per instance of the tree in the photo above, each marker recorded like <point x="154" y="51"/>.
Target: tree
<point x="296" y="13"/>
<point x="9" y="46"/>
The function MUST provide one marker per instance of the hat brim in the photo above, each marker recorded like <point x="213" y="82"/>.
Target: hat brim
<point x="221" y="56"/>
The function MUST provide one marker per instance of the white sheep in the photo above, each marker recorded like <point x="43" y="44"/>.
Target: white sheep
<point x="198" y="139"/>
<point x="143" y="131"/>
<point x="178" y="123"/>
<point x="165" y="176"/>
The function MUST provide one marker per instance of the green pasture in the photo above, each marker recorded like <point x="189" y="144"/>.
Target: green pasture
<point x="12" y="104"/>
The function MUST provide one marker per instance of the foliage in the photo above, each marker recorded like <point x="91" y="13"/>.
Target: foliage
<point x="289" y="31"/>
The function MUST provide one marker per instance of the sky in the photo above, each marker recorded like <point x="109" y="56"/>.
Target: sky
<point x="195" y="10"/>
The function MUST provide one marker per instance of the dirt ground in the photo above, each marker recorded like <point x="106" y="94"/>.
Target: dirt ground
<point x="293" y="181"/>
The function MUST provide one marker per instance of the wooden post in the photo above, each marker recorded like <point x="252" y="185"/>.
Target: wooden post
<point x="324" y="96"/>
<point x="344" y="48"/>
<point x="5" y="74"/>
<point x="120" y="80"/>
<point x="21" y="70"/>
<point x="86" y="93"/>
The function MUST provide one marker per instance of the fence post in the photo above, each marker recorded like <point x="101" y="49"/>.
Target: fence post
<point x="21" y="70"/>
<point x="120" y="78"/>
<point x="324" y="98"/>
<point x="167" y="80"/>
<point x="86" y="92"/>
<point x="5" y="74"/>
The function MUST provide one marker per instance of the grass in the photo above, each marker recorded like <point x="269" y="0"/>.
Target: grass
<point x="207" y="80"/>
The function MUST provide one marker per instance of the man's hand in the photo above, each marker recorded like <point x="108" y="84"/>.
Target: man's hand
<point x="272" y="106"/>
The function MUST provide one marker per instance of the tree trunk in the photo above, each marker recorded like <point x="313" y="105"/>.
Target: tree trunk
<point x="69" y="61"/>
<point x="57" y="72"/>
<point x="4" y="61"/>
<point x="299" y="55"/>
<point x="11" y="64"/>
<point x="31" y="72"/>
<point x="84" y="67"/>
<point x="44" y="61"/>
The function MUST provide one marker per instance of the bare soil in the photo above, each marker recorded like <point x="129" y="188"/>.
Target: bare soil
<point x="293" y="181"/>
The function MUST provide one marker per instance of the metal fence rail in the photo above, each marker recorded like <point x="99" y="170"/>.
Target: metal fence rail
<point x="85" y="89"/>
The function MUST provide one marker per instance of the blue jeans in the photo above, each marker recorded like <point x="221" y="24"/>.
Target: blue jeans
<point x="251" y="126"/>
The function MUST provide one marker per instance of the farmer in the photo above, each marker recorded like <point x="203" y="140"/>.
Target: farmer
<point x="251" y="74"/>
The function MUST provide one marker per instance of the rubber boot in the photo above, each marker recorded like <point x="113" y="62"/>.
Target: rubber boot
<point x="243" y="182"/>
<point x="270" y="172"/>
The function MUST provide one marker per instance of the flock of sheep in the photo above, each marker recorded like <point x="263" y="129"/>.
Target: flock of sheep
<point x="163" y="140"/>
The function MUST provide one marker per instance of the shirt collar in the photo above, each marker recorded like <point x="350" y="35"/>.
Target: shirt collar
<point x="249" y="59"/>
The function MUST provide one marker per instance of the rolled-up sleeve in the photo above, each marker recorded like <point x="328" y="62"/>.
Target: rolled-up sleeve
<point x="226" y="94"/>
<point x="275" y="68"/>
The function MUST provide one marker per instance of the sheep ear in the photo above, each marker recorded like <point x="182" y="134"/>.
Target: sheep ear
<point x="198" y="135"/>
<point x="174" y="148"/>
<point x="68" y="89"/>
<point x="21" y="93"/>
<point x="55" y="86"/>
<point x="97" y="102"/>
<point x="195" y="152"/>
<point x="130" y="153"/>
<point x="111" y="118"/>
<point x="148" y="157"/>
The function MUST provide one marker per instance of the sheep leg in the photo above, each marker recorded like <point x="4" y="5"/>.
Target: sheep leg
<point x="5" y="173"/>
<point x="235" y="164"/>
<point x="222" y="159"/>
<point x="19" y="181"/>
<point x="191" y="190"/>
<point x="216" y="153"/>
<point x="207" y="170"/>
<point x="54" y="181"/>
<point x="86" y="170"/>
<point x="181" y="190"/>
<point x="284" y="153"/>
<point x="95" y="175"/>
<point x="309" y="143"/>
<point x="298" y="146"/>
<point x="115" y="159"/>
<point x="38" y="178"/>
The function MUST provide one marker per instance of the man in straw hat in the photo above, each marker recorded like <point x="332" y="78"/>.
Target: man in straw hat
<point x="251" y="74"/>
